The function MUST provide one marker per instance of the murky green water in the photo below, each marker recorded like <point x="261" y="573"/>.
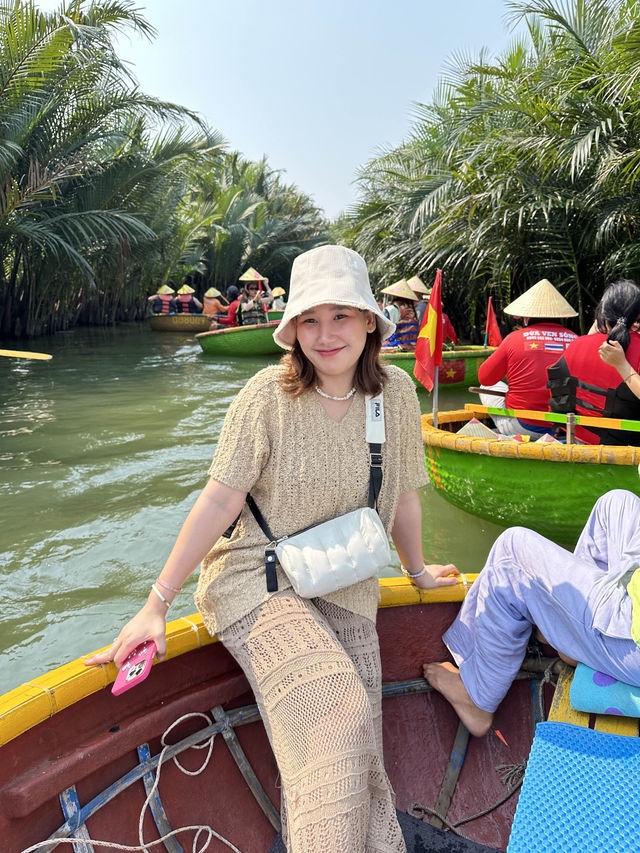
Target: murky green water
<point x="103" y="451"/>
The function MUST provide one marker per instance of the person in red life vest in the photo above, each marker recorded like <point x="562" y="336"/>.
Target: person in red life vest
<point x="187" y="302"/>
<point x="163" y="302"/>
<point x="407" y="327"/>
<point x="524" y="356"/>
<point x="598" y="373"/>
<point x="234" y="298"/>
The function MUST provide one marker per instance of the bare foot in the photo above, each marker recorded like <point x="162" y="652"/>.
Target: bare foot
<point x="445" y="678"/>
<point x="541" y="638"/>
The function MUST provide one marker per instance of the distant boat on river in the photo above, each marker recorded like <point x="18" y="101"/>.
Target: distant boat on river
<point x="179" y="322"/>
<point x="459" y="366"/>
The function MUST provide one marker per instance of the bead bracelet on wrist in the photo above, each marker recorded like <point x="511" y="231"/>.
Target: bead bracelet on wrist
<point x="413" y="575"/>
<point x="165" y="601"/>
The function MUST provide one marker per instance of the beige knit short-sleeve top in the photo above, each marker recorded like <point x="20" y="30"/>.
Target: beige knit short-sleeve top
<point x="302" y="468"/>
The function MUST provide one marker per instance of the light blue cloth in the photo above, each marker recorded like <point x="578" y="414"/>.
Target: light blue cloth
<point x="578" y="601"/>
<point x="599" y="693"/>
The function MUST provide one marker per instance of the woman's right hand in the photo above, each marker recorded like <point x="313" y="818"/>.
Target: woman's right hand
<point x="148" y="624"/>
<point x="612" y="353"/>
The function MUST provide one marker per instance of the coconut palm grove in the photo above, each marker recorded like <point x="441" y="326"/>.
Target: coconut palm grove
<point x="520" y="166"/>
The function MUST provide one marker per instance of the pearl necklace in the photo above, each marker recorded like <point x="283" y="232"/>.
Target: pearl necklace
<point x="331" y="397"/>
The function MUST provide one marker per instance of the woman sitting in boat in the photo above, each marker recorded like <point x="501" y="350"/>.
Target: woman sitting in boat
<point x="234" y="298"/>
<point x="583" y="604"/>
<point x="313" y="663"/>
<point x="253" y="309"/>
<point x="524" y="356"/>
<point x="163" y="302"/>
<point x="405" y="336"/>
<point x="187" y="302"/>
<point x="278" y="303"/>
<point x="598" y="373"/>
<point x="214" y="303"/>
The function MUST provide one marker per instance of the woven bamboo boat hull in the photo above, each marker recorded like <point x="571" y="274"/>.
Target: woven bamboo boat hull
<point x="550" y="488"/>
<point x="72" y="754"/>
<point x="179" y="322"/>
<point x="240" y="340"/>
<point x="459" y="366"/>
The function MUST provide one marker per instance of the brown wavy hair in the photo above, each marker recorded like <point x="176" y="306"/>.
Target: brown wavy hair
<point x="370" y="377"/>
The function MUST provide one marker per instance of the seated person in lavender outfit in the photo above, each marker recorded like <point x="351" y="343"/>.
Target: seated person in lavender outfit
<point x="579" y="602"/>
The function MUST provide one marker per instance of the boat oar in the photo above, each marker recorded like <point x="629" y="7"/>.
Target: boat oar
<point x="14" y="353"/>
<point x="475" y="390"/>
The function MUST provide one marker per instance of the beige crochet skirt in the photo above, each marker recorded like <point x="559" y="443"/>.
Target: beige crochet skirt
<point x="315" y="671"/>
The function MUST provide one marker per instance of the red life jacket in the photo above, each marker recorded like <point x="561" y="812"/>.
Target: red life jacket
<point x="162" y="304"/>
<point x="186" y="304"/>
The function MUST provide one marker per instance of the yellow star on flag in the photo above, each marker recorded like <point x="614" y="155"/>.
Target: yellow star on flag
<point x="534" y="346"/>
<point x="430" y="329"/>
<point x="451" y="373"/>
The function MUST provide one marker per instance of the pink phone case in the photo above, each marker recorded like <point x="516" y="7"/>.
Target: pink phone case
<point x="135" y="668"/>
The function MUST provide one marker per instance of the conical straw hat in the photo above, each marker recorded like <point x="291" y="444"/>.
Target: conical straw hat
<point x="165" y="289"/>
<point x="417" y="285"/>
<point x="400" y="289"/>
<point x="278" y="291"/>
<point x="213" y="291"/>
<point x="251" y="275"/>
<point x="186" y="289"/>
<point x="541" y="300"/>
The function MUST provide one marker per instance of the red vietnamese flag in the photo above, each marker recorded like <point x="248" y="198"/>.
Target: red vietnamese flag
<point x="429" y="345"/>
<point x="492" y="330"/>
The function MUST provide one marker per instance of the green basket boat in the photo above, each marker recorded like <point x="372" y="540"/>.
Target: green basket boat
<point x="459" y="366"/>
<point x="550" y="488"/>
<point x="241" y="340"/>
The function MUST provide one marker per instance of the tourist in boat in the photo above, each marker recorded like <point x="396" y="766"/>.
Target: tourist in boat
<point x="583" y="604"/>
<point x="405" y="336"/>
<point x="253" y="309"/>
<point x="597" y="374"/>
<point x="163" y="302"/>
<point x="278" y="303"/>
<point x="231" y="320"/>
<point x="214" y="303"/>
<point x="524" y="356"/>
<point x="422" y="292"/>
<point x="313" y="663"/>
<point x="187" y="302"/>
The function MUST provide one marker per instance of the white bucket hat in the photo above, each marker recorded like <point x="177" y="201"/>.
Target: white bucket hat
<point x="328" y="275"/>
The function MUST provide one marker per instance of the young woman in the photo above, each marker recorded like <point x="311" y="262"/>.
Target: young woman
<point x="597" y="374"/>
<point x="313" y="664"/>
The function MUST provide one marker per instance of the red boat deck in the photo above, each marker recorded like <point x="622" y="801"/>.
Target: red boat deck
<point x="92" y="743"/>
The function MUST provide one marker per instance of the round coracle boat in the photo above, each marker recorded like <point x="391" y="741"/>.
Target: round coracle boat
<point x="548" y="487"/>
<point x="179" y="322"/>
<point x="79" y="762"/>
<point x="241" y="340"/>
<point x="459" y="366"/>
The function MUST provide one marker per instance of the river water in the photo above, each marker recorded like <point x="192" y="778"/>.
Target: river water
<point x="103" y="451"/>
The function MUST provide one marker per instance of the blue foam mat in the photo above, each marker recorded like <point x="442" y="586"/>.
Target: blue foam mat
<point x="580" y="793"/>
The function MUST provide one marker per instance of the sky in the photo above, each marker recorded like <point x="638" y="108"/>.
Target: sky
<point x="318" y="86"/>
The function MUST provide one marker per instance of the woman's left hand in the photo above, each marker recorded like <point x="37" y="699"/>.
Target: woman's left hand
<point x="612" y="353"/>
<point x="437" y="575"/>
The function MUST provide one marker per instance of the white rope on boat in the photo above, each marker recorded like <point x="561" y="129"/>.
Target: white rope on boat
<point x="145" y="847"/>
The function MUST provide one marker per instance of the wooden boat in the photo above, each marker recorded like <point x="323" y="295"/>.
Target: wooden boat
<point x="241" y="340"/>
<point x="550" y="488"/>
<point x="73" y="757"/>
<point x="179" y="322"/>
<point x="459" y="366"/>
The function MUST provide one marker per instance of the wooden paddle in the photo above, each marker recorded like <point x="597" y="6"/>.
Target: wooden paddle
<point x="14" y="353"/>
<point x="475" y="390"/>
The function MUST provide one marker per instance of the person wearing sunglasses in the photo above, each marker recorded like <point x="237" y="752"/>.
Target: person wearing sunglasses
<point x="258" y="297"/>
